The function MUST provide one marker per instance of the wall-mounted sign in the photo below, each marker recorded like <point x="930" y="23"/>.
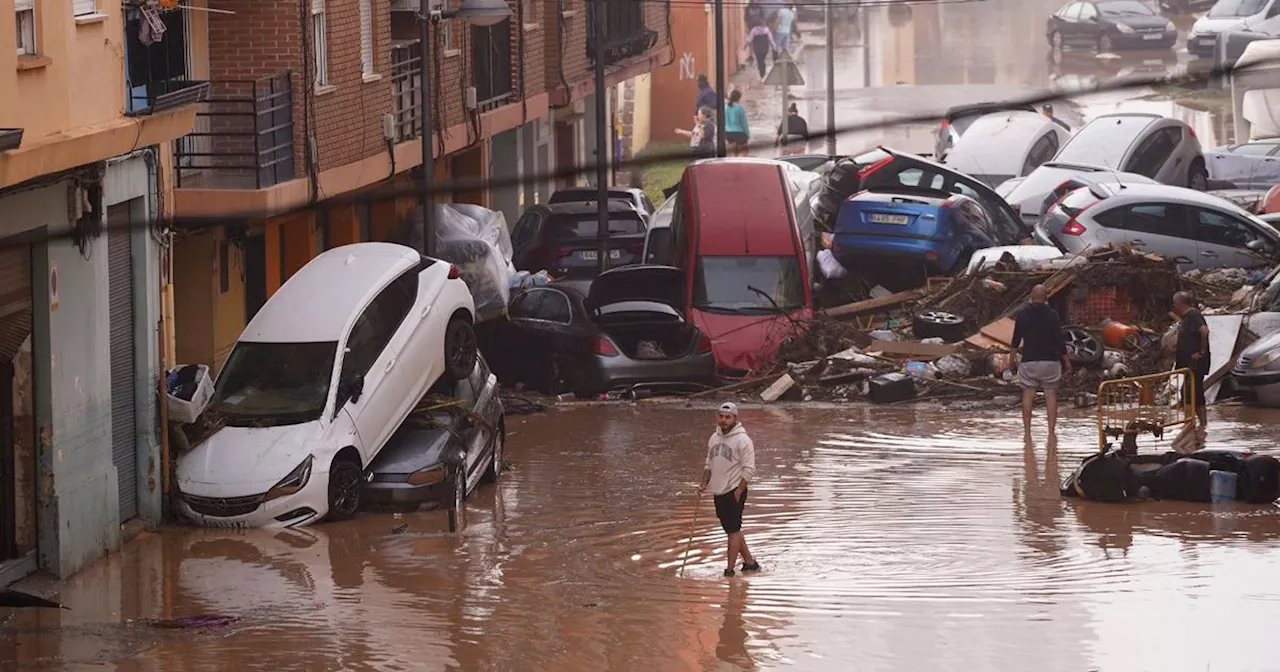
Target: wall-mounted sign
<point x="53" y="287"/>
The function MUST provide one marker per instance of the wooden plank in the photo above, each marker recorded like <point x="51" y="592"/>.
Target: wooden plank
<point x="912" y="349"/>
<point x="876" y="305"/>
<point x="1224" y="334"/>
<point x="778" y="388"/>
<point x="985" y="342"/>
<point x="1000" y="331"/>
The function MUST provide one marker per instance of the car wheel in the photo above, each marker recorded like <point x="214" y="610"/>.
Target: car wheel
<point x="940" y="324"/>
<point x="1198" y="179"/>
<point x="1083" y="348"/>
<point x="495" y="465"/>
<point x="1104" y="44"/>
<point x="460" y="348"/>
<point x="1055" y="40"/>
<point x="345" y="479"/>
<point x="459" y="480"/>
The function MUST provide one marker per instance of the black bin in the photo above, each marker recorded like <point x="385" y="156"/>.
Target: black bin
<point x="891" y="387"/>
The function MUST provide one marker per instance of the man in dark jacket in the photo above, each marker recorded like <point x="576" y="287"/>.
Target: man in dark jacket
<point x="1037" y="337"/>
<point x="1193" y="349"/>
<point x="706" y="95"/>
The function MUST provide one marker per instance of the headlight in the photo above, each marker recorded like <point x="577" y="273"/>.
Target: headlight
<point x="1168" y="25"/>
<point x="1266" y="359"/>
<point x="427" y="476"/>
<point x="1124" y="28"/>
<point x="295" y="481"/>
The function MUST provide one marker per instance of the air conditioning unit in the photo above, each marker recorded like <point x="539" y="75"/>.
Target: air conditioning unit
<point x="471" y="98"/>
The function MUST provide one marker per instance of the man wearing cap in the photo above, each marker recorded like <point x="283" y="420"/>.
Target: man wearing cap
<point x="731" y="464"/>
<point x="1047" y="110"/>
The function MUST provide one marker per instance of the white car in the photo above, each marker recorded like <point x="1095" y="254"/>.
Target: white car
<point x="319" y="381"/>
<point x="1005" y="145"/>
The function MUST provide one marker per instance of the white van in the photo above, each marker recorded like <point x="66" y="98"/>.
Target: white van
<point x="1257" y="16"/>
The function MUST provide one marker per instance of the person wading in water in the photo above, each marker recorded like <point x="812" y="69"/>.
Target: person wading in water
<point x="1193" y="350"/>
<point x="731" y="464"/>
<point x="1037" y="337"/>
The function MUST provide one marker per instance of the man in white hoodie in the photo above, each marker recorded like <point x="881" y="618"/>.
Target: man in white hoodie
<point x="731" y="464"/>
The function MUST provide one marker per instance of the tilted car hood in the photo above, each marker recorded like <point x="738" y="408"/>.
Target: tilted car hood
<point x="663" y="284"/>
<point x="747" y="341"/>
<point x="411" y="449"/>
<point x="1208" y="26"/>
<point x="1262" y="346"/>
<point x="240" y="461"/>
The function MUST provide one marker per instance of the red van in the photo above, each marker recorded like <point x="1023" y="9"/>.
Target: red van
<point x="735" y="234"/>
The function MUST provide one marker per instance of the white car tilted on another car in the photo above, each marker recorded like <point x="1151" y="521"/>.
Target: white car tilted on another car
<point x="318" y="382"/>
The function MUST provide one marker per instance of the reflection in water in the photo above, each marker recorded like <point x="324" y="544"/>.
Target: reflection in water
<point x="888" y="537"/>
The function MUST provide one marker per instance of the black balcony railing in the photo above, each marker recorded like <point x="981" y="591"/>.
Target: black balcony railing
<point x="625" y="32"/>
<point x="243" y="137"/>
<point x="492" y="64"/>
<point x="406" y="95"/>
<point x="157" y="72"/>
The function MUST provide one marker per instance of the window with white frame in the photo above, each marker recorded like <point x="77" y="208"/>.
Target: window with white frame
<point x="530" y="11"/>
<point x="366" y="37"/>
<point x="320" y="42"/>
<point x="84" y="7"/>
<point x="25" y="17"/>
<point x="445" y="29"/>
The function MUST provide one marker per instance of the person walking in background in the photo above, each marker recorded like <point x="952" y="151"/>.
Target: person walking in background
<point x="1037" y="337"/>
<point x="730" y="466"/>
<point x="784" y="20"/>
<point x="1193" y="350"/>
<point x="793" y="133"/>
<point x="737" y="132"/>
<point x="1047" y="110"/>
<point x="706" y="96"/>
<point x="760" y="40"/>
<point x="702" y="137"/>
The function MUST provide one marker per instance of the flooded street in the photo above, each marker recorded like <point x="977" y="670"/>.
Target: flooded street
<point x="892" y="538"/>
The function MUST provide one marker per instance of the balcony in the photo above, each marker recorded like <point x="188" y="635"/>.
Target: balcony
<point x="492" y="65"/>
<point x="156" y="71"/>
<point x="406" y="96"/>
<point x="626" y="35"/>
<point x="243" y="137"/>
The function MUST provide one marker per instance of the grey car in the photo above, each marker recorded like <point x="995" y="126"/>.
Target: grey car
<point x="1163" y="149"/>
<point x="1005" y="145"/>
<point x="636" y="197"/>
<point x="1030" y="195"/>
<point x="958" y="119"/>
<point x="1199" y="230"/>
<point x="1258" y="369"/>
<point x="1252" y="165"/>
<point x="444" y="451"/>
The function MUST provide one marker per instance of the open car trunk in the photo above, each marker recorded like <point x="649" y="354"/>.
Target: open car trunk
<point x="647" y="330"/>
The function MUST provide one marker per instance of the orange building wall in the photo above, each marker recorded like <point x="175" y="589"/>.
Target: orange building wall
<point x="674" y="86"/>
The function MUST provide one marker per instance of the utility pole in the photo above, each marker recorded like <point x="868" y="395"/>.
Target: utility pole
<point x="721" y="144"/>
<point x="602" y="132"/>
<point x="426" y="186"/>
<point x="831" y="80"/>
<point x="865" y="26"/>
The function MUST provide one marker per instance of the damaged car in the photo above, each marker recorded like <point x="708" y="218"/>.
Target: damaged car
<point x="445" y="449"/>
<point x="626" y="332"/>
<point x="1258" y="370"/>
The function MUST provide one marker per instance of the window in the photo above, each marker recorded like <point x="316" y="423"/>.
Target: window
<point x="376" y="326"/>
<point x="1255" y="148"/>
<point x="526" y="305"/>
<point x="524" y="231"/>
<point x="1164" y="219"/>
<point x="274" y="384"/>
<point x="729" y="284"/>
<point x="84" y="7"/>
<point x="554" y="308"/>
<point x="319" y="42"/>
<point x="530" y="11"/>
<point x="1042" y="151"/>
<point x="1216" y="228"/>
<point x="565" y="228"/>
<point x="1088" y="12"/>
<point x="1152" y="153"/>
<point x="25" y="17"/>
<point x="366" y="37"/>
<point x="1072" y="13"/>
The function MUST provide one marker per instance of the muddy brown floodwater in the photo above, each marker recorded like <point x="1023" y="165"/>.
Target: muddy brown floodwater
<point x="891" y="539"/>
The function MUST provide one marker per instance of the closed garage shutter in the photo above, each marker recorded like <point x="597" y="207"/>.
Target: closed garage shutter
<point x="15" y="298"/>
<point x="123" y="414"/>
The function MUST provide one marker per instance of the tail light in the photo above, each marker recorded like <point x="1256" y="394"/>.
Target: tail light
<point x="930" y="255"/>
<point x="602" y="346"/>
<point x="704" y="343"/>
<point x="1073" y="228"/>
<point x="945" y="124"/>
<point x="453" y="272"/>
<point x="557" y="253"/>
<point x="866" y="172"/>
<point x="635" y="248"/>
<point x="1191" y="131"/>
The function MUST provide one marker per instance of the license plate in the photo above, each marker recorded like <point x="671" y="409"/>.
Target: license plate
<point x="881" y="218"/>
<point x="592" y="255"/>
<point x="1205" y="41"/>
<point x="1152" y="36"/>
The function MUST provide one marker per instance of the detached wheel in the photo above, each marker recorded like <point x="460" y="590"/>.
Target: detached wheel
<point x="1198" y="178"/>
<point x="950" y="327"/>
<point x="460" y="349"/>
<point x="495" y="465"/>
<point x="1083" y="348"/>
<point x="345" y="479"/>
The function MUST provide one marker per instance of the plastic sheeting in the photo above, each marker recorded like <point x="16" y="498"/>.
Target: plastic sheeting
<point x="476" y="240"/>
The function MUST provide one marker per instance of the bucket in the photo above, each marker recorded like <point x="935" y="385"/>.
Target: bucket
<point x="1117" y="334"/>
<point x="1222" y="486"/>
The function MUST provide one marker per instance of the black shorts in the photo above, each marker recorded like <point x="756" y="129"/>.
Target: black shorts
<point x="1196" y="379"/>
<point x="736" y="138"/>
<point x="729" y="511"/>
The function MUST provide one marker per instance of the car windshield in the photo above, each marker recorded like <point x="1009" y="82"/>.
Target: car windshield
<point x="748" y="285"/>
<point x="1228" y="9"/>
<point x="1104" y="142"/>
<point x="270" y="384"/>
<point x="1125" y="8"/>
<point x="585" y="226"/>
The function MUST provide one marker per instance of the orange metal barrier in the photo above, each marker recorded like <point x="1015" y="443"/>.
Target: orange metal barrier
<point x="1146" y="404"/>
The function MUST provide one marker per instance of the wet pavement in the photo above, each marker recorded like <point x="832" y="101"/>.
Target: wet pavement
<point x="924" y="58"/>
<point x="892" y="538"/>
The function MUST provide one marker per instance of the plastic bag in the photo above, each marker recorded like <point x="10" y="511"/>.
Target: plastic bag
<point x="188" y="391"/>
<point x="953" y="366"/>
<point x="476" y="240"/>
<point x="830" y="267"/>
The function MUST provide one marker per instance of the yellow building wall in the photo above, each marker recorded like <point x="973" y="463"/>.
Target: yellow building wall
<point x="641" y="113"/>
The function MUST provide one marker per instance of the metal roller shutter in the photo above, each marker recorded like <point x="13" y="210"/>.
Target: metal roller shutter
<point x="15" y="298"/>
<point x="124" y="417"/>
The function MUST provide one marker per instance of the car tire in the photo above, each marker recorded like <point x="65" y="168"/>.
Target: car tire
<point x="950" y="327"/>
<point x="459" y="482"/>
<point x="1104" y="44"/>
<point x="1083" y="348"/>
<point x="495" y="465"/>
<point x="345" y="478"/>
<point x="460" y="348"/>
<point x="1055" y="41"/>
<point x="1198" y="177"/>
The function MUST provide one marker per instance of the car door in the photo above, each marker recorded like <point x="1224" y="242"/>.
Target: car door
<point x="1249" y="166"/>
<point x="472" y="432"/>
<point x="1088" y="26"/>
<point x="371" y="356"/>
<point x="1159" y="228"/>
<point x="1067" y="19"/>
<point x="1231" y="242"/>
<point x="524" y="237"/>
<point x="1153" y="157"/>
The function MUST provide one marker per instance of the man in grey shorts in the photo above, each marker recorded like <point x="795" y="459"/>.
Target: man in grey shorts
<point x="1037" y="337"/>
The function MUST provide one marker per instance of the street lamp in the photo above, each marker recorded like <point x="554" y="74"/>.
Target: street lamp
<point x="477" y="12"/>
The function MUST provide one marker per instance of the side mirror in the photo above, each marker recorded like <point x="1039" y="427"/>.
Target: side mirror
<point x="352" y="389"/>
<point x="1256" y="245"/>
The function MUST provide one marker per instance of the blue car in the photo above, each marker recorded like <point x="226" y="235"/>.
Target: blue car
<point x="900" y="235"/>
